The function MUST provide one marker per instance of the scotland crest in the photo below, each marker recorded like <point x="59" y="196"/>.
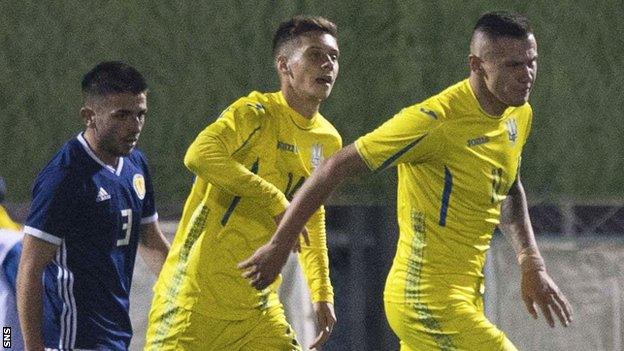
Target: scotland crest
<point x="138" y="182"/>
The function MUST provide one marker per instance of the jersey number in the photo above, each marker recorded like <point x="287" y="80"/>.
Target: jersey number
<point x="126" y="216"/>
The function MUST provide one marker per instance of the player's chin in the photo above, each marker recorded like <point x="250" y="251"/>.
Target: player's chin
<point x="518" y="100"/>
<point x="322" y="91"/>
<point x="125" y="150"/>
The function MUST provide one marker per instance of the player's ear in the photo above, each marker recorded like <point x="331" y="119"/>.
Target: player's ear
<point x="87" y="115"/>
<point x="476" y="64"/>
<point x="281" y="62"/>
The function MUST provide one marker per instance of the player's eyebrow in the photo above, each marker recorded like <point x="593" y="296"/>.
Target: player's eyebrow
<point x="317" y="47"/>
<point x="128" y="111"/>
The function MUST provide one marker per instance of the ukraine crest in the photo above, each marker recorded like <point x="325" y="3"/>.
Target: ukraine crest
<point x="512" y="130"/>
<point x="317" y="155"/>
<point x="138" y="182"/>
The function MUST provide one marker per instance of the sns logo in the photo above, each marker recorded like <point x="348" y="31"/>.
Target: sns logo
<point x="317" y="155"/>
<point x="139" y="185"/>
<point x="6" y="337"/>
<point x="512" y="130"/>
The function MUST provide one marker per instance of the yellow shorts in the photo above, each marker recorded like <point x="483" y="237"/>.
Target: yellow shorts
<point x="174" y="328"/>
<point x="456" y="326"/>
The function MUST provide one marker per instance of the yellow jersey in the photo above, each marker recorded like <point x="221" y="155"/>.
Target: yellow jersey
<point x="6" y="222"/>
<point x="248" y="164"/>
<point x="455" y="165"/>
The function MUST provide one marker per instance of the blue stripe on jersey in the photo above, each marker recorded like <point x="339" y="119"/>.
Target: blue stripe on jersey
<point x="236" y="200"/>
<point x="400" y="153"/>
<point x="246" y="140"/>
<point x="446" y="194"/>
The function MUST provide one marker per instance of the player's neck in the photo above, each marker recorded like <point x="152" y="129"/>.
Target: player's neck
<point x="104" y="156"/>
<point x="306" y="107"/>
<point x="488" y="102"/>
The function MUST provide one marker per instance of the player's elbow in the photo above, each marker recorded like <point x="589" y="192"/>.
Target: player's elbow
<point x="191" y="161"/>
<point x="344" y="164"/>
<point x="194" y="161"/>
<point x="204" y="156"/>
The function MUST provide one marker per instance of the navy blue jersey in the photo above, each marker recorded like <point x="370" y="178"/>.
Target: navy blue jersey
<point x="93" y="212"/>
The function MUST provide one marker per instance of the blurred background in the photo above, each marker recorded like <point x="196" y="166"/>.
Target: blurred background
<point x="198" y="57"/>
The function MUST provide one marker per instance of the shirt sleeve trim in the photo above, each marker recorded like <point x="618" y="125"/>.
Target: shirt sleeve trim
<point x="399" y="153"/>
<point x="52" y="239"/>
<point x="151" y="219"/>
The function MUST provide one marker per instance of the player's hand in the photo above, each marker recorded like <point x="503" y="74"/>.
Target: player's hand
<point x="263" y="267"/>
<point x="325" y="321"/>
<point x="297" y="247"/>
<point x="539" y="289"/>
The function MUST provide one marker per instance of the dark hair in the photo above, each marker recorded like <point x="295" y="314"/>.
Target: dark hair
<point x="113" y="77"/>
<point x="300" y="25"/>
<point x="497" y="24"/>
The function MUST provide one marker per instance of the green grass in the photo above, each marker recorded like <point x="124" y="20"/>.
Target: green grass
<point x="200" y="56"/>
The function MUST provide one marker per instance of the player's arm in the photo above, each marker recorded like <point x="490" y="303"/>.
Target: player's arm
<point x="211" y="157"/>
<point x="410" y="136"/>
<point x="36" y="254"/>
<point x="153" y="246"/>
<point x="315" y="263"/>
<point x="537" y="286"/>
<point x="266" y="263"/>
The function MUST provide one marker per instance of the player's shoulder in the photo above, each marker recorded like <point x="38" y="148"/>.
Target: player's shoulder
<point x="437" y="108"/>
<point x="425" y="115"/>
<point x="67" y="161"/>
<point x="524" y="110"/>
<point x="328" y="128"/>
<point x="58" y="178"/>
<point x="137" y="156"/>
<point x="69" y="168"/>
<point x="253" y="105"/>
<point x="445" y="104"/>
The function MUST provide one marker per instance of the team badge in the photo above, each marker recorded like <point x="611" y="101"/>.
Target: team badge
<point x="512" y="130"/>
<point x="317" y="155"/>
<point x="139" y="185"/>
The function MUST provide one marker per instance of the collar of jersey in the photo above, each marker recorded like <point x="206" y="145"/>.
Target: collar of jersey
<point x="476" y="103"/>
<point x="296" y="117"/>
<point x="90" y="152"/>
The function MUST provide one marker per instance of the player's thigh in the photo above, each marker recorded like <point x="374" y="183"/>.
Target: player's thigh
<point x="476" y="332"/>
<point x="166" y="325"/>
<point x="405" y="323"/>
<point x="272" y="333"/>
<point x="175" y="328"/>
<point x="462" y="327"/>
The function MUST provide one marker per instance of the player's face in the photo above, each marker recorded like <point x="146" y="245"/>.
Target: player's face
<point x="117" y="123"/>
<point x="510" y="69"/>
<point x="313" y="65"/>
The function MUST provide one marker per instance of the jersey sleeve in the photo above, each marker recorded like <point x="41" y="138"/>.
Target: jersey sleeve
<point x="54" y="202"/>
<point x="315" y="261"/>
<point x="149" y="214"/>
<point x="407" y="137"/>
<point x="210" y="156"/>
